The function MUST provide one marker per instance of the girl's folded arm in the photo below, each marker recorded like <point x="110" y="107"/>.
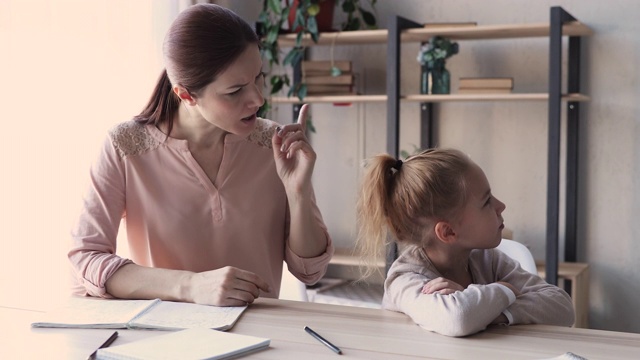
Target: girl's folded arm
<point x="459" y="314"/>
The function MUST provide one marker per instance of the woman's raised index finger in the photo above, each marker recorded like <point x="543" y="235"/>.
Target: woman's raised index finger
<point x="302" y="116"/>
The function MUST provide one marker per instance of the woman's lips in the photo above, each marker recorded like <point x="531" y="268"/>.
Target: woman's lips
<point x="249" y="118"/>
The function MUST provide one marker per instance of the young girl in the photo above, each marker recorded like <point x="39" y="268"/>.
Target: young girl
<point x="450" y="279"/>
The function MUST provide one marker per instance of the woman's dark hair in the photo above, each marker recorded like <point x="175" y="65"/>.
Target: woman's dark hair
<point x="201" y="43"/>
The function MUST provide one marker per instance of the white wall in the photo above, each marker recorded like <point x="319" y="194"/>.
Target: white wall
<point x="509" y="140"/>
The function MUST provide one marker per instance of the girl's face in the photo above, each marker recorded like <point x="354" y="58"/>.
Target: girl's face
<point x="233" y="99"/>
<point x="480" y="224"/>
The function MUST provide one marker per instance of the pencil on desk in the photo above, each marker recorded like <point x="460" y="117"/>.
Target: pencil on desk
<point x="108" y="342"/>
<point x="323" y="340"/>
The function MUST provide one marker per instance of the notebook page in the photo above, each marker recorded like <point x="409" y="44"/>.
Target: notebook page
<point x="169" y="315"/>
<point x="567" y="356"/>
<point x="188" y="344"/>
<point x="84" y="312"/>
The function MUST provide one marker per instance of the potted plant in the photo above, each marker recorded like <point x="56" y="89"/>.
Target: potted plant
<point x="357" y="16"/>
<point x="432" y="57"/>
<point x="276" y="13"/>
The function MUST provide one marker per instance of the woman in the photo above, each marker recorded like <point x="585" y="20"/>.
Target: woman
<point x="214" y="198"/>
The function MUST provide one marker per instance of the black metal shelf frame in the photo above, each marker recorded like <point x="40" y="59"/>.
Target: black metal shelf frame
<point x="558" y="17"/>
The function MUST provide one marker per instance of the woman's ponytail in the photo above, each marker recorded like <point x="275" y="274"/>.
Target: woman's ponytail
<point x="162" y="104"/>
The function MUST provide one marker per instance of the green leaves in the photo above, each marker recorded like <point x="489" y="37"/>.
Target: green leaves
<point x="294" y="56"/>
<point x="272" y="19"/>
<point x="357" y="15"/>
<point x="313" y="10"/>
<point x="274" y="6"/>
<point x="270" y="23"/>
<point x="277" y="82"/>
<point x="300" y="90"/>
<point x="368" y="18"/>
<point x="438" y="49"/>
<point x="312" y="28"/>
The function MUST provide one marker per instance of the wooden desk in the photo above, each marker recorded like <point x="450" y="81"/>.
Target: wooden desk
<point x="361" y="334"/>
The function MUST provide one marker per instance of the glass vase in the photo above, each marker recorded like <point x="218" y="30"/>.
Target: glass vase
<point x="425" y="82"/>
<point x="435" y="79"/>
<point x="441" y="79"/>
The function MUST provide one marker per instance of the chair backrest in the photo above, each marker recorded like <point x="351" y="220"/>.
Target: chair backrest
<point x="520" y="253"/>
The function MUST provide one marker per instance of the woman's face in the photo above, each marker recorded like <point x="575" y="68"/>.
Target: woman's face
<point x="233" y="99"/>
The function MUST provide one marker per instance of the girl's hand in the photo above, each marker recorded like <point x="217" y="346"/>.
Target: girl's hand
<point x="441" y="286"/>
<point x="501" y="319"/>
<point x="513" y="288"/>
<point x="228" y="286"/>
<point x="294" y="155"/>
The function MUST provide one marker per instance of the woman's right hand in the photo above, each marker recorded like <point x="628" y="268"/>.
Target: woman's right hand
<point x="227" y="286"/>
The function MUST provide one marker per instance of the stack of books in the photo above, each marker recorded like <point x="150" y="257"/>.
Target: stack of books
<point x="485" y="85"/>
<point x="328" y="77"/>
<point x="434" y="25"/>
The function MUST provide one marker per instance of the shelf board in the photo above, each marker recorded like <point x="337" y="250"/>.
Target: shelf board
<point x="491" y="97"/>
<point x="346" y="265"/>
<point x="343" y="256"/>
<point x="330" y="99"/>
<point x="574" y="28"/>
<point x="346" y="99"/>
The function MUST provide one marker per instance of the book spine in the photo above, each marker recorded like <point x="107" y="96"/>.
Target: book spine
<point x="484" y="91"/>
<point x="151" y="305"/>
<point x="344" y="79"/>
<point x="449" y="24"/>
<point x="324" y="66"/>
<point x="486" y="83"/>
<point x="329" y="88"/>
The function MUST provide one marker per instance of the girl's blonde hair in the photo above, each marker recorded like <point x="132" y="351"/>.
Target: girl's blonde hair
<point x="406" y="199"/>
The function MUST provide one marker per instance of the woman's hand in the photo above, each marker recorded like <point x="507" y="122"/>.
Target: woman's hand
<point x="228" y="286"/>
<point x="294" y="155"/>
<point x="441" y="286"/>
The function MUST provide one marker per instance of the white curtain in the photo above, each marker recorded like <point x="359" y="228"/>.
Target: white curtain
<point x="71" y="69"/>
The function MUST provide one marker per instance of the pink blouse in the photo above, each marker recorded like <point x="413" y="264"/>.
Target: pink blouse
<point x="177" y="219"/>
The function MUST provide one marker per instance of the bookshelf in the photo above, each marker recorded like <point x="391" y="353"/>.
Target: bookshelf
<point x="430" y="98"/>
<point x="561" y="25"/>
<point x="478" y="32"/>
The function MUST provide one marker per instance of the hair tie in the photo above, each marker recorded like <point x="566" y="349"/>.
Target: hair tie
<point x="398" y="165"/>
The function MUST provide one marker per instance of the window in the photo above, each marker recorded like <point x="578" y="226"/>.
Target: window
<point x="70" y="70"/>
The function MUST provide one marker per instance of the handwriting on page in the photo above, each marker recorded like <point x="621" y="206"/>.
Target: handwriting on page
<point x="168" y="314"/>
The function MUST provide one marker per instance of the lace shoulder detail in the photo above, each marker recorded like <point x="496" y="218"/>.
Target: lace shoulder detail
<point x="131" y="138"/>
<point x="263" y="133"/>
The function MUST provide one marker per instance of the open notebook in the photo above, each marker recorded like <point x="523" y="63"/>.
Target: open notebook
<point x="187" y="345"/>
<point x="567" y="356"/>
<point x="94" y="313"/>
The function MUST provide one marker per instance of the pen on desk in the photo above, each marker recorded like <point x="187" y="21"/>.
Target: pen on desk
<point x="108" y="342"/>
<point x="323" y="340"/>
